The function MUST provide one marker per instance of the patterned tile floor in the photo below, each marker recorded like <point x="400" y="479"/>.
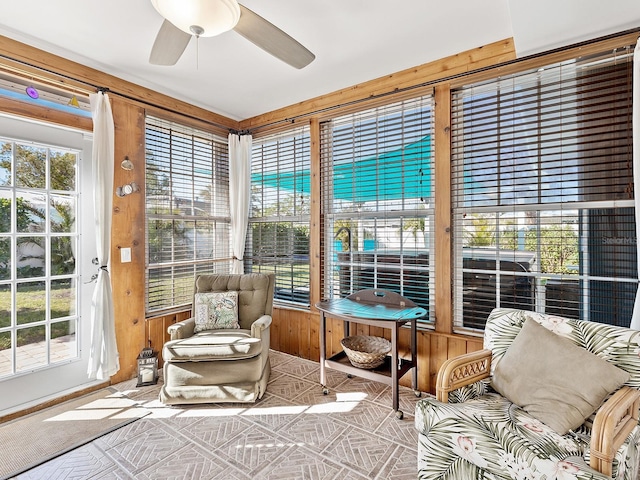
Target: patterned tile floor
<point x="294" y="432"/>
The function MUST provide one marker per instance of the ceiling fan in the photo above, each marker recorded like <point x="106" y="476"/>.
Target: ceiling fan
<point x="206" y="18"/>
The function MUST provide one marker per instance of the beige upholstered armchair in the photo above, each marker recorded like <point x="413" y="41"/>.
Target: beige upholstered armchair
<point x="219" y="355"/>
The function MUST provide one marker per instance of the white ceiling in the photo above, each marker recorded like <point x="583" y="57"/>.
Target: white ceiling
<point x="354" y="41"/>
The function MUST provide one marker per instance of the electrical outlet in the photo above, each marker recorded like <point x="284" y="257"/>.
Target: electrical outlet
<point x="125" y="255"/>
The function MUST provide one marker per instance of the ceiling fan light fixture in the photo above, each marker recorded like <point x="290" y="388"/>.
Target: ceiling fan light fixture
<point x="211" y="17"/>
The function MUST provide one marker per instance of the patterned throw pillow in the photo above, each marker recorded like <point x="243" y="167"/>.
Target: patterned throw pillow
<point x="216" y="310"/>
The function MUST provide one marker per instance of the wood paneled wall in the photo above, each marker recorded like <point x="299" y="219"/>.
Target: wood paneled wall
<point x="156" y="330"/>
<point x="297" y="331"/>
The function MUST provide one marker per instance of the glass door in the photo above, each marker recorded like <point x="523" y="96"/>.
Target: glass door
<point x="44" y="316"/>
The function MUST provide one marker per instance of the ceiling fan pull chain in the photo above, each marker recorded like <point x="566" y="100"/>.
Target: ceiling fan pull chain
<point x="197" y="31"/>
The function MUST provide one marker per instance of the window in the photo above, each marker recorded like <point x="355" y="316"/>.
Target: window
<point x="543" y="208"/>
<point x="38" y="247"/>
<point x="187" y="210"/>
<point x="278" y="235"/>
<point x="377" y="201"/>
<point x="45" y="95"/>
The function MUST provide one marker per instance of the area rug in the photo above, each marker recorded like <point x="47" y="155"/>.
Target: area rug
<point x="36" y="438"/>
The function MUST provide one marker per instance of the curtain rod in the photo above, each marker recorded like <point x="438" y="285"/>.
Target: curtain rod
<point x="444" y="79"/>
<point x="99" y="88"/>
<point x="170" y="110"/>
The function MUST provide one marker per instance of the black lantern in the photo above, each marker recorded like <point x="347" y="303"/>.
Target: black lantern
<point x="147" y="367"/>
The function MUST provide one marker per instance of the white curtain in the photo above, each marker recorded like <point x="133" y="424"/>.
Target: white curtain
<point x="239" y="195"/>
<point x="635" y="319"/>
<point x="103" y="354"/>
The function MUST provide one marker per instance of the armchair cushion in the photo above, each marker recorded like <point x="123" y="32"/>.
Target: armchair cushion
<point x="216" y="310"/>
<point x="230" y="344"/>
<point x="554" y="380"/>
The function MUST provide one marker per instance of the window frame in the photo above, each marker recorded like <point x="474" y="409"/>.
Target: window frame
<point x="280" y="208"/>
<point x="398" y="140"/>
<point x="183" y="154"/>
<point x="566" y="113"/>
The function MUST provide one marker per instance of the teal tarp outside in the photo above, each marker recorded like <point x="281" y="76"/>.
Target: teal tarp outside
<point x="404" y="172"/>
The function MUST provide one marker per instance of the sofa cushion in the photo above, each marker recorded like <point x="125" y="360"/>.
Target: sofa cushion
<point x="230" y="344"/>
<point x="491" y="438"/>
<point x="494" y="423"/>
<point x="216" y="310"/>
<point x="554" y="380"/>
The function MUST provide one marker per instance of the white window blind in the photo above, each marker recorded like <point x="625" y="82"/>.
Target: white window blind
<point x="542" y="180"/>
<point x="377" y="201"/>
<point x="278" y="236"/>
<point x="187" y="208"/>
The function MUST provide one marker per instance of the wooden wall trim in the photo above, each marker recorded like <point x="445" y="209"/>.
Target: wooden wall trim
<point x="56" y="401"/>
<point x="40" y="59"/>
<point x="316" y="224"/>
<point x="485" y="56"/>
<point x="46" y="114"/>
<point x="128" y="230"/>
<point x="544" y="59"/>
<point x="443" y="222"/>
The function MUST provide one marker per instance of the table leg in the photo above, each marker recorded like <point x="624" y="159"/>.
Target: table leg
<point x="394" y="370"/>
<point x="323" y="350"/>
<point x="414" y="355"/>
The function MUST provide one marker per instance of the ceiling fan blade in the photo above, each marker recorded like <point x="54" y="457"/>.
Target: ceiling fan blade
<point x="271" y="39"/>
<point x="169" y="45"/>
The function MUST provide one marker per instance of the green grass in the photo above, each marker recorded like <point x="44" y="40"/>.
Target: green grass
<point x="32" y="305"/>
<point x="286" y="275"/>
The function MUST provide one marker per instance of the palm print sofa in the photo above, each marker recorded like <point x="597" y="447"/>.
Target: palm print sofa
<point x="562" y="404"/>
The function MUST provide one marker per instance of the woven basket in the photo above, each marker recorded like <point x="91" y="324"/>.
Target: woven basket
<point x="364" y="351"/>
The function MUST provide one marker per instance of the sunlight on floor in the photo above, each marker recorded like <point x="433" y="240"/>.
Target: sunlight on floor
<point x="114" y="406"/>
<point x="270" y="445"/>
<point x="345" y="402"/>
